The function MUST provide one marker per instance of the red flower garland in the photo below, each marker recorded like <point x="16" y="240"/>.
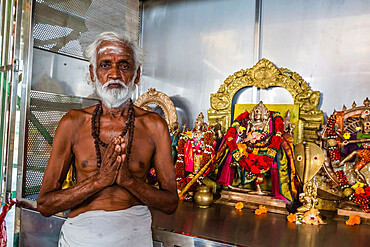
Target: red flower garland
<point x="334" y="153"/>
<point x="208" y="141"/>
<point x="180" y="165"/>
<point x="362" y="199"/>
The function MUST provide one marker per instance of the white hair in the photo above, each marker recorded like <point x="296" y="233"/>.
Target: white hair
<point x="91" y="50"/>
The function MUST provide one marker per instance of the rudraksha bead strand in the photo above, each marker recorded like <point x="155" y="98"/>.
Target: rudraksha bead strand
<point x="95" y="130"/>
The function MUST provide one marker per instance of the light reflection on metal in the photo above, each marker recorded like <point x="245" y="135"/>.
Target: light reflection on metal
<point x="188" y="60"/>
<point x="27" y="41"/>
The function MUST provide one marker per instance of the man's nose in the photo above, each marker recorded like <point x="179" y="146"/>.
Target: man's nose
<point x="114" y="73"/>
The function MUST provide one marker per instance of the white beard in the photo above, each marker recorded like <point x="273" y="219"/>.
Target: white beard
<point x="115" y="97"/>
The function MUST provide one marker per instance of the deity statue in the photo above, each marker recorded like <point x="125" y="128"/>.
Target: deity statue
<point x="217" y="134"/>
<point x="308" y="198"/>
<point x="288" y="126"/>
<point x="256" y="148"/>
<point x="195" y="149"/>
<point x="309" y="160"/>
<point x="347" y="142"/>
<point x="358" y="145"/>
<point x="174" y="134"/>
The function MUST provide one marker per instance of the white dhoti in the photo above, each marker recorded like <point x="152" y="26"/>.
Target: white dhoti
<point x="129" y="227"/>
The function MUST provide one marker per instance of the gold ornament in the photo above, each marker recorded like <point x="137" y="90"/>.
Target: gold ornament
<point x="203" y="197"/>
<point x="162" y="100"/>
<point x="237" y="155"/>
<point x="264" y="75"/>
<point x="332" y="142"/>
<point x="271" y="152"/>
<point x="347" y="192"/>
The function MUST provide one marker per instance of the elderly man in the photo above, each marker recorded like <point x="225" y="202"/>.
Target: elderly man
<point x="112" y="146"/>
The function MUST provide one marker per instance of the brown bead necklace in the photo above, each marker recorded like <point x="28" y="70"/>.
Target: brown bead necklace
<point x="95" y="130"/>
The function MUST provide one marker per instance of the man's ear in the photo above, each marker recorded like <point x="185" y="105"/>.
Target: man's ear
<point x="138" y="73"/>
<point x="91" y="70"/>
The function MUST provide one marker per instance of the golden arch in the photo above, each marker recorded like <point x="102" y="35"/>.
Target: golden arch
<point x="162" y="100"/>
<point x="264" y="75"/>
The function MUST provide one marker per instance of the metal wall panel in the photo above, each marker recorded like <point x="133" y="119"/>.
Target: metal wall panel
<point x="56" y="73"/>
<point x="192" y="47"/>
<point x="327" y="42"/>
<point x="37" y="230"/>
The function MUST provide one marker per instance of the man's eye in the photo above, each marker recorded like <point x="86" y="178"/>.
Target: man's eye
<point x="104" y="65"/>
<point x="124" y="66"/>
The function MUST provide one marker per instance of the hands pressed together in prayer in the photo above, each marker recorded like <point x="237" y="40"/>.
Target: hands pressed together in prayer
<point x="113" y="167"/>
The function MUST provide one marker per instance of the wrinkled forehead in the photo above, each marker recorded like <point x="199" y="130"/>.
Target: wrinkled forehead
<point x="114" y="48"/>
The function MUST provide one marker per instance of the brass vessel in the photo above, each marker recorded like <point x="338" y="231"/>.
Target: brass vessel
<point x="203" y="197"/>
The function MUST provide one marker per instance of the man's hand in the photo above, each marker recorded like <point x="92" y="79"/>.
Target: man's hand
<point x="124" y="176"/>
<point x="111" y="162"/>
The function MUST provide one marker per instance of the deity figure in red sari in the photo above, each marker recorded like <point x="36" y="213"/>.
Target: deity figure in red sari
<point x="195" y="149"/>
<point x="257" y="146"/>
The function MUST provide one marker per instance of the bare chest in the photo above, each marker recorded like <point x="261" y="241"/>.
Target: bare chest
<point x="85" y="151"/>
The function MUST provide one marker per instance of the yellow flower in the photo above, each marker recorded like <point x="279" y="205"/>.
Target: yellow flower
<point x="189" y="134"/>
<point x="239" y="206"/>
<point x="292" y="218"/>
<point x="241" y="128"/>
<point x="258" y="212"/>
<point x="243" y="149"/>
<point x="240" y="147"/>
<point x="358" y="184"/>
<point x="347" y="135"/>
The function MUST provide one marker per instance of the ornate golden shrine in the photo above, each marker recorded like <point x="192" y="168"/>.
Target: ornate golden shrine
<point x="162" y="100"/>
<point x="264" y="75"/>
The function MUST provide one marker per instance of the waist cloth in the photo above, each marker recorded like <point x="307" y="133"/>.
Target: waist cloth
<point x="128" y="227"/>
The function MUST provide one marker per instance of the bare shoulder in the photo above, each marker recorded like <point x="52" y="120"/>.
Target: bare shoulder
<point x="152" y="121"/>
<point x="75" y="117"/>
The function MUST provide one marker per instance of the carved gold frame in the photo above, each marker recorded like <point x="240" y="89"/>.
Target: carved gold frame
<point x="264" y="75"/>
<point x="162" y="100"/>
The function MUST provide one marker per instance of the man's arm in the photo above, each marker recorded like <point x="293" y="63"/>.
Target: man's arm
<point x="165" y="198"/>
<point x="52" y="198"/>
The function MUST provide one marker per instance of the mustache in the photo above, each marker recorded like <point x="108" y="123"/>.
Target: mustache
<point x="108" y="83"/>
